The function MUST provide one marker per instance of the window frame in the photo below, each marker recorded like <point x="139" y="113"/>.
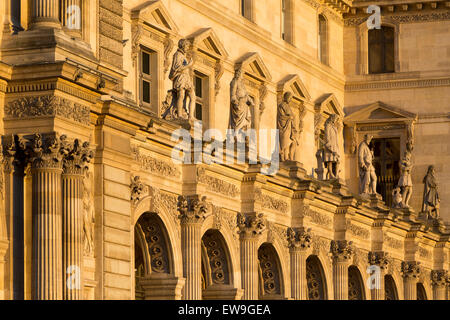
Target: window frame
<point x="322" y="50"/>
<point x="383" y="42"/>
<point x="152" y="79"/>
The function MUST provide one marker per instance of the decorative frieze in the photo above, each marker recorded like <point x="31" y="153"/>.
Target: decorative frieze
<point x="318" y="218"/>
<point x="48" y="105"/>
<point x="270" y="202"/>
<point x="357" y="230"/>
<point x="396" y="84"/>
<point x="404" y="18"/>
<point x="392" y="242"/>
<point x="149" y="163"/>
<point x="380" y="127"/>
<point x="217" y="185"/>
<point x="424" y="253"/>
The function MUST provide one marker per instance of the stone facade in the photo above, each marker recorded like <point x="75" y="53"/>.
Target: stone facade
<point x="87" y="151"/>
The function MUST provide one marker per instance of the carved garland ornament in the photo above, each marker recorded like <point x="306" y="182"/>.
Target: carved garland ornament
<point x="217" y="185"/>
<point x="49" y="105"/>
<point x="270" y="202"/>
<point x="148" y="163"/>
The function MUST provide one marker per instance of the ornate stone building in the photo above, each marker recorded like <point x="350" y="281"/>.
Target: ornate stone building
<point x="93" y="206"/>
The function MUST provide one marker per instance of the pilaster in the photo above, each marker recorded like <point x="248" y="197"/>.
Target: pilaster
<point x="299" y="242"/>
<point x="439" y="280"/>
<point x="410" y="272"/>
<point x="378" y="263"/>
<point x="341" y="254"/>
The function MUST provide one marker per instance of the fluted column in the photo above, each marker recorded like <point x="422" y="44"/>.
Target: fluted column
<point x="299" y="241"/>
<point x="192" y="211"/>
<point x="439" y="283"/>
<point x="250" y="229"/>
<point x="378" y="263"/>
<point x="45" y="14"/>
<point x="72" y="216"/>
<point x="410" y="272"/>
<point x="46" y="201"/>
<point x="341" y="253"/>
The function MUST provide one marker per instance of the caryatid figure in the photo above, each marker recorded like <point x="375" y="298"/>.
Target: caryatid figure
<point x="240" y="116"/>
<point x="181" y="76"/>
<point x="430" y="194"/>
<point x="331" y="147"/>
<point x="405" y="181"/>
<point x="367" y="176"/>
<point x="287" y="129"/>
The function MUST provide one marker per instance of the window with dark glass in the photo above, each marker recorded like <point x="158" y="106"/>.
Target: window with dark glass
<point x="146" y="76"/>
<point x="283" y="19"/>
<point x="323" y="40"/>
<point x="381" y="50"/>
<point x="199" y="101"/>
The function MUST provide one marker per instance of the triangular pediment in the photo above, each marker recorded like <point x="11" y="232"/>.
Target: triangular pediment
<point x="154" y="14"/>
<point x="252" y="64"/>
<point x="207" y="41"/>
<point x="294" y="84"/>
<point x="328" y="103"/>
<point x="380" y="111"/>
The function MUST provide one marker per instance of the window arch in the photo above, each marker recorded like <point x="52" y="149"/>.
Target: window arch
<point x="355" y="284"/>
<point x="323" y="39"/>
<point x="381" y="50"/>
<point x="315" y="279"/>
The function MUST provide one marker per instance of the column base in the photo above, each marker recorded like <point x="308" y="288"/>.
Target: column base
<point x="45" y="23"/>
<point x="162" y="287"/>
<point x="222" y="292"/>
<point x="4" y="245"/>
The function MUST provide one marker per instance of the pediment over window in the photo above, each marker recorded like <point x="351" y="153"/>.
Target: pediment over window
<point x="294" y="84"/>
<point x="154" y="14"/>
<point x="329" y="104"/>
<point x="380" y="112"/>
<point x="253" y="65"/>
<point x="207" y="41"/>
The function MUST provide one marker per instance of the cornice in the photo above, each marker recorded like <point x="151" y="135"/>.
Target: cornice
<point x="396" y="84"/>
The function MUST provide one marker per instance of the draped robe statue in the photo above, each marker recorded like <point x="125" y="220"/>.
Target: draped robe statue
<point x="331" y="147"/>
<point x="240" y="116"/>
<point x="430" y="194"/>
<point x="367" y="176"/>
<point x="287" y="129"/>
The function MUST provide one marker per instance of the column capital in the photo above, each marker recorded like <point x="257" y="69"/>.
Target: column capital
<point x="76" y="156"/>
<point x="341" y="250"/>
<point x="14" y="152"/>
<point x="410" y="269"/>
<point x="46" y="152"/>
<point x="439" y="278"/>
<point x="192" y="209"/>
<point x="378" y="258"/>
<point x="251" y="225"/>
<point x="299" y="239"/>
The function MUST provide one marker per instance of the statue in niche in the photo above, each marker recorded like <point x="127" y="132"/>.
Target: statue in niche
<point x="240" y="116"/>
<point x="182" y="78"/>
<point x="88" y="216"/>
<point x="287" y="128"/>
<point x="405" y="181"/>
<point x="430" y="194"/>
<point x="331" y="147"/>
<point x="367" y="176"/>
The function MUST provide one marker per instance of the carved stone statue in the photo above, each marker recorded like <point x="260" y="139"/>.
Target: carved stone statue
<point x="240" y="117"/>
<point x="397" y="199"/>
<point x="405" y="181"/>
<point x="181" y="76"/>
<point x="367" y="176"/>
<point x="331" y="147"/>
<point x="430" y="194"/>
<point x="287" y="128"/>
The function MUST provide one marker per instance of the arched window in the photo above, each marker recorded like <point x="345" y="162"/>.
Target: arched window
<point x="381" y="50"/>
<point x="323" y="39"/>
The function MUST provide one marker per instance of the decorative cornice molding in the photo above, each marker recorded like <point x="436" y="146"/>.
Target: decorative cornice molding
<point x="403" y="18"/>
<point x="45" y="106"/>
<point x="395" y="84"/>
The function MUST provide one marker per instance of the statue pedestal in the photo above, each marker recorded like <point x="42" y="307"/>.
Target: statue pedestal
<point x="339" y="187"/>
<point x="294" y="168"/>
<point x="408" y="214"/>
<point x="375" y="201"/>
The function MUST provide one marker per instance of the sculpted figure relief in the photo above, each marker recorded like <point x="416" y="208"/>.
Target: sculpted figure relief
<point x="431" y="198"/>
<point x="240" y="116"/>
<point x="331" y="147"/>
<point x="405" y="181"/>
<point x="183" y="87"/>
<point x="287" y="128"/>
<point x="367" y="176"/>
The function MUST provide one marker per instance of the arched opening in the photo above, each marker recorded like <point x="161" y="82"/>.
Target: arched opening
<point x="323" y="39"/>
<point x="269" y="270"/>
<point x="381" y="50"/>
<point x="390" y="288"/>
<point x="421" y="293"/>
<point x="315" y="279"/>
<point x="153" y="260"/>
<point x="355" y="284"/>
<point x="217" y="273"/>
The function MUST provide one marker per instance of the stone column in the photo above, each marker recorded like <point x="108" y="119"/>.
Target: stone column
<point x="439" y="283"/>
<point x="45" y="14"/>
<point x="410" y="273"/>
<point x="46" y="199"/>
<point x="299" y="241"/>
<point x="192" y="211"/>
<point x="378" y="263"/>
<point x="74" y="166"/>
<point x="250" y="229"/>
<point x="341" y="253"/>
<point x="7" y="22"/>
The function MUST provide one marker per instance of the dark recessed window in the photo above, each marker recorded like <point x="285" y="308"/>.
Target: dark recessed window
<point x="381" y="50"/>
